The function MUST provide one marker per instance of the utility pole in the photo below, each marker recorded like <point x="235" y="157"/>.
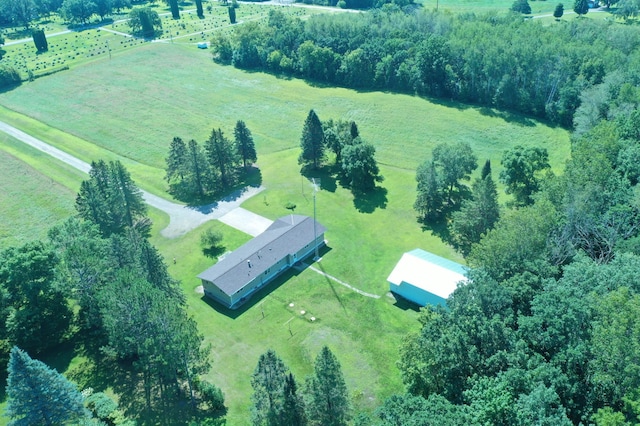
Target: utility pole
<point x="316" y="181"/>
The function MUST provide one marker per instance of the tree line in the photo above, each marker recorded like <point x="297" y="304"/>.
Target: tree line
<point x="194" y="172"/>
<point x="494" y="60"/>
<point x="97" y="280"/>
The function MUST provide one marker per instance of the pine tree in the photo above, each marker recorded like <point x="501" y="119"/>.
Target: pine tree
<point x="222" y="157"/>
<point x="175" y="9"/>
<point x="293" y="406"/>
<point x="245" y="147"/>
<point x="199" y="176"/>
<point x="559" y="11"/>
<point x="326" y="392"/>
<point x="268" y="382"/>
<point x="177" y="160"/>
<point x="311" y="141"/>
<point x="39" y="395"/>
<point x="199" y="10"/>
<point x="521" y="6"/>
<point x="429" y="201"/>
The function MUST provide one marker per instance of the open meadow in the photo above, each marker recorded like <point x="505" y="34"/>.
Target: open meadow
<point x="130" y="106"/>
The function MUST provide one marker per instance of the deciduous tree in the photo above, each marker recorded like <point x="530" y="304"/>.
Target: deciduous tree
<point x="359" y="166"/>
<point x="558" y="11"/>
<point x="429" y="201"/>
<point x="78" y="10"/>
<point x="581" y="7"/>
<point x="144" y="20"/>
<point x="520" y="174"/>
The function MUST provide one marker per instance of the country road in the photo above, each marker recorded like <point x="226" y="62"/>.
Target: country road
<point x="182" y="219"/>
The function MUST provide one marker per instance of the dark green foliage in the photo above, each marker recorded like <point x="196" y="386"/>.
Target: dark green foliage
<point x="268" y="382"/>
<point x="338" y="134"/>
<point x="34" y="314"/>
<point x="175" y="9"/>
<point x="359" y="166"/>
<point x="199" y="177"/>
<point x="455" y="163"/>
<point x="521" y="170"/>
<point x="326" y="395"/>
<point x="38" y="395"/>
<point x="177" y="161"/>
<point x="312" y="141"/>
<point x="199" y="10"/>
<point x="21" y="12"/>
<point x="581" y="7"/>
<point x="101" y="406"/>
<point x="223" y="158"/>
<point x="144" y="21"/>
<point x="521" y="6"/>
<point x="210" y="394"/>
<point x="221" y="48"/>
<point x="111" y="200"/>
<point x="211" y="243"/>
<point x="429" y="201"/>
<point x="244" y="144"/>
<point x="476" y="215"/>
<point x="411" y="410"/>
<point x="293" y="413"/>
<point x="40" y="40"/>
<point x="232" y="14"/>
<point x="104" y="8"/>
<point x="558" y="11"/>
<point x="78" y="10"/>
<point x="9" y="76"/>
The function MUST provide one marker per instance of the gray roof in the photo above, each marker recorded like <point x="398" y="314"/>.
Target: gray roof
<point x="285" y="236"/>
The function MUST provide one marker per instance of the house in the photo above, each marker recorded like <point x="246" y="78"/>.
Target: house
<point x="424" y="278"/>
<point x="234" y="279"/>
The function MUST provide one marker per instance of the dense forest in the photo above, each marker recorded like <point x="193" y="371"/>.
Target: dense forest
<point x="502" y="61"/>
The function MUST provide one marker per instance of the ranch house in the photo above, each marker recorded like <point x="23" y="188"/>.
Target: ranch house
<point x="237" y="276"/>
<point x="424" y="278"/>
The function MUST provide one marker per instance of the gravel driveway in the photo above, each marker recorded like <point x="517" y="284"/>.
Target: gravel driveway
<point x="182" y="219"/>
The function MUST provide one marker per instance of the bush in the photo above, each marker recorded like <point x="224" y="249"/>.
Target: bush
<point x="210" y="394"/>
<point x="210" y="239"/>
<point x="9" y="76"/>
<point x="342" y="4"/>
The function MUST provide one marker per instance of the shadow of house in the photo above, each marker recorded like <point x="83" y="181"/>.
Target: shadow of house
<point x="239" y="275"/>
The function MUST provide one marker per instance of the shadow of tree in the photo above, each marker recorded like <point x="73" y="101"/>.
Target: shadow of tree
<point x="368" y="202"/>
<point x="328" y="181"/>
<point x="213" y="252"/>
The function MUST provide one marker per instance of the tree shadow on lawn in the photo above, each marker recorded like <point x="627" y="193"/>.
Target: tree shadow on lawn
<point x="265" y="291"/>
<point x="368" y="202"/>
<point x="438" y="227"/>
<point x="253" y="179"/>
<point x="213" y="252"/>
<point x="326" y="174"/>
<point x="509" y="117"/>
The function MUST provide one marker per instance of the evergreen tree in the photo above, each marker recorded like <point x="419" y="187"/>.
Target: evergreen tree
<point x="429" y="201"/>
<point x="486" y="169"/>
<point x="245" y="147"/>
<point x="175" y="10"/>
<point x="581" y="7"/>
<point x="39" y="395"/>
<point x="232" y="14"/>
<point x="558" y="11"/>
<point x="199" y="10"/>
<point x="268" y="382"/>
<point x="199" y="177"/>
<point x="177" y="161"/>
<point x="326" y="394"/>
<point x="476" y="216"/>
<point x="293" y="406"/>
<point x="40" y="40"/>
<point x="311" y="141"/>
<point x="222" y="157"/>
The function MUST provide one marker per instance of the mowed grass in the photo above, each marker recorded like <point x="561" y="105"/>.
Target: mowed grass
<point x="131" y="107"/>
<point x="31" y="202"/>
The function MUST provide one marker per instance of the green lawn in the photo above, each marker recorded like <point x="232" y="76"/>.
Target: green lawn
<point x="131" y="107"/>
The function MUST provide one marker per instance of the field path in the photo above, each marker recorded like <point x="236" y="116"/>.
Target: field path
<point x="182" y="219"/>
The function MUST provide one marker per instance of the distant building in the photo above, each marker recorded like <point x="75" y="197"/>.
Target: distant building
<point x="424" y="278"/>
<point x="234" y="279"/>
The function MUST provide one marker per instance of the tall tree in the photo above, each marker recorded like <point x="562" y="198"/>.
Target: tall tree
<point x="199" y="10"/>
<point x="22" y="12"/>
<point x="326" y="393"/>
<point x="359" y="166"/>
<point x="244" y="144"/>
<point x="311" y="141"/>
<point x="455" y="163"/>
<point x="39" y="315"/>
<point x="293" y="405"/>
<point x="39" y="395"/>
<point x="338" y="134"/>
<point x="78" y="10"/>
<point x="268" y="382"/>
<point x="429" y="201"/>
<point x="199" y="175"/>
<point x="581" y="7"/>
<point x="477" y="215"/>
<point x="144" y="20"/>
<point x="520" y="174"/>
<point x="103" y="8"/>
<point x="177" y="161"/>
<point x="521" y="6"/>
<point x="222" y="157"/>
<point x="175" y="9"/>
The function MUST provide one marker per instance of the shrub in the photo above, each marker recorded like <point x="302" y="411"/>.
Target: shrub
<point x="9" y="76"/>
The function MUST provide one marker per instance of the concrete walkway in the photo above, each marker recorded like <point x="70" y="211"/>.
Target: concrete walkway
<point x="182" y="219"/>
<point x="332" y="278"/>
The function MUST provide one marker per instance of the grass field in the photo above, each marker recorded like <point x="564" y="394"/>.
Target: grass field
<point x="131" y="106"/>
